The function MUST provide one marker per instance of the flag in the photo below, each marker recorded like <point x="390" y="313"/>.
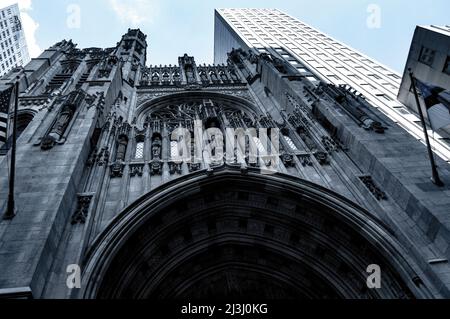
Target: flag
<point x="437" y="102"/>
<point x="5" y="107"/>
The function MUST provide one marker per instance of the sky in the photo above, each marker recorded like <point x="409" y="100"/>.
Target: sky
<point x="175" y="27"/>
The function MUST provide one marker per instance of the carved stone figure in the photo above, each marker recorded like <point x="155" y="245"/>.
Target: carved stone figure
<point x="65" y="115"/>
<point x="80" y="215"/>
<point x="156" y="148"/>
<point x="204" y="77"/>
<point x="214" y="77"/>
<point x="121" y="148"/>
<point x="233" y="75"/>
<point x="106" y="66"/>
<point x="155" y="78"/>
<point x="60" y="126"/>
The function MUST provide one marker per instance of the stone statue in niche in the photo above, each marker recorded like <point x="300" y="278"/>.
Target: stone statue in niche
<point x="223" y="77"/>
<point x="156" y="148"/>
<point x="156" y="163"/>
<point x="204" y="77"/>
<point x="121" y="148"/>
<point x="213" y="76"/>
<point x="106" y="66"/>
<point x="122" y="145"/>
<point x="233" y="75"/>
<point x="118" y="166"/>
<point x="63" y="119"/>
<point x="190" y="75"/>
<point x="187" y="63"/>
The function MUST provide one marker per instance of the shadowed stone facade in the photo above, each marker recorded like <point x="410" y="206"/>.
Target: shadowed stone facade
<point x="98" y="186"/>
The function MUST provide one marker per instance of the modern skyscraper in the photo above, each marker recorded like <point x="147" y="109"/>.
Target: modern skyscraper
<point x="318" y="57"/>
<point x="13" y="46"/>
<point x="429" y="59"/>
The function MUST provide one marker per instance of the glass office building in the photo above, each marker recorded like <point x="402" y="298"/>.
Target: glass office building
<point x="318" y="57"/>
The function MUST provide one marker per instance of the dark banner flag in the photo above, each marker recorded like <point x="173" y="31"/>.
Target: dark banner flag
<point x="5" y="107"/>
<point x="437" y="102"/>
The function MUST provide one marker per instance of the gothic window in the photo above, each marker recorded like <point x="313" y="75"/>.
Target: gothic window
<point x="166" y="77"/>
<point x="139" y="154"/>
<point x="259" y="145"/>
<point x="290" y="142"/>
<point x="174" y="149"/>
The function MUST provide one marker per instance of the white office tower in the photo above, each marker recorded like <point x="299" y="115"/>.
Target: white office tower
<point x="13" y="46"/>
<point x="318" y="57"/>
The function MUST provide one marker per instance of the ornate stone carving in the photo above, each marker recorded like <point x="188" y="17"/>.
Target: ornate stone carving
<point x="373" y="188"/>
<point x="322" y="157"/>
<point x="122" y="144"/>
<point x="354" y="103"/>
<point x="279" y="64"/>
<point x="244" y="94"/>
<point x="188" y="64"/>
<point x="300" y="110"/>
<point x="302" y="131"/>
<point x="62" y="121"/>
<point x="92" y="158"/>
<point x="136" y="170"/>
<point x="106" y="66"/>
<point x="329" y="144"/>
<point x="121" y="148"/>
<point x="156" y="167"/>
<point x="116" y="170"/>
<point x="156" y="147"/>
<point x="80" y="215"/>
<point x="193" y="167"/>
<point x="288" y="160"/>
<point x="103" y="157"/>
<point x="175" y="167"/>
<point x="305" y="159"/>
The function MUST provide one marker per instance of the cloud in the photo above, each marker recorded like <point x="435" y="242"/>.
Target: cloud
<point x="30" y="26"/>
<point x="135" y="13"/>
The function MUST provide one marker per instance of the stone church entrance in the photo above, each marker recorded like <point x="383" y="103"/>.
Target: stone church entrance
<point x="242" y="234"/>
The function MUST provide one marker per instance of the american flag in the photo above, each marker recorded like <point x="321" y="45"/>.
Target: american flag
<point x="5" y="107"/>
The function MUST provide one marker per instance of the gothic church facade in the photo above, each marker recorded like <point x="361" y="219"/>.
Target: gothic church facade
<point x="98" y="185"/>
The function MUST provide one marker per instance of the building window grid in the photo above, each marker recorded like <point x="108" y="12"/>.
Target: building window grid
<point x="278" y="32"/>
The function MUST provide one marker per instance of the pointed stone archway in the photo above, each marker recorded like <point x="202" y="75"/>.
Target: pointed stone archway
<point x="234" y="234"/>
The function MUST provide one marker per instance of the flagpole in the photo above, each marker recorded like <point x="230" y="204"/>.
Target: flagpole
<point x="435" y="177"/>
<point x="11" y="208"/>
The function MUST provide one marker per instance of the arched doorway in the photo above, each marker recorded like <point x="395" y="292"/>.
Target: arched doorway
<point x="242" y="234"/>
